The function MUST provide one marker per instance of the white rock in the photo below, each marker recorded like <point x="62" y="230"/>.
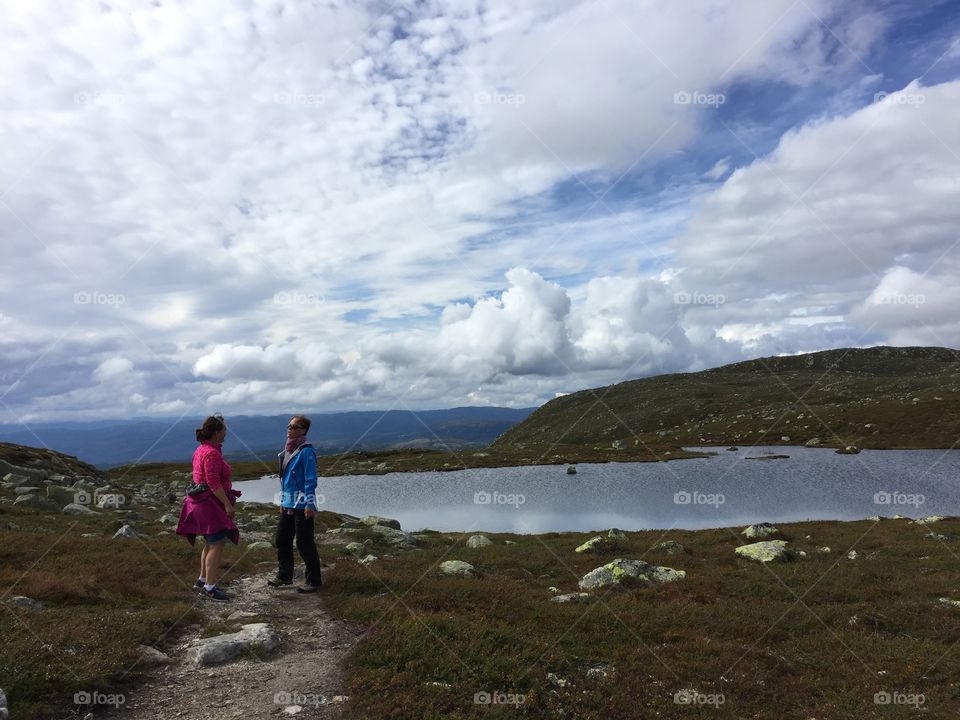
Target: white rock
<point x="628" y="572"/>
<point x="257" y="638"/>
<point x="760" y="530"/>
<point x="75" y="509"/>
<point x="368" y="559"/>
<point x="260" y="545"/>
<point x="852" y="555"/>
<point x="570" y="598"/>
<point x="478" y="541"/>
<point x="126" y="531"/>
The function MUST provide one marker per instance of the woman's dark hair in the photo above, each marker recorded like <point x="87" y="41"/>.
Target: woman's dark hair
<point x="211" y="426"/>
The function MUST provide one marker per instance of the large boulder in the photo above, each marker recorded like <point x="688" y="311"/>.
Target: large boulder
<point x="395" y="538"/>
<point x="760" y="530"/>
<point x="376" y="520"/>
<point x="627" y="573"/>
<point x="457" y="567"/>
<point x="478" y="541"/>
<point x="765" y="551"/>
<point x="255" y="639"/>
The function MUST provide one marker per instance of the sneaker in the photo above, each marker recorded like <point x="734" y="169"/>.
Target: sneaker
<point x="278" y="582"/>
<point x="198" y="586"/>
<point x="217" y="595"/>
<point x="309" y="588"/>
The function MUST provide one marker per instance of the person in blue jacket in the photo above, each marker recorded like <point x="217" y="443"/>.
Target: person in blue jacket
<point x="298" y="505"/>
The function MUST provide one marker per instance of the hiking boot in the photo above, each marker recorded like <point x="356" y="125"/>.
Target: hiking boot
<point x="217" y="595"/>
<point x="309" y="588"/>
<point x="278" y="581"/>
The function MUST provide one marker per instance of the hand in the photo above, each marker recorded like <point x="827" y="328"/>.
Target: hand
<point x="308" y="513"/>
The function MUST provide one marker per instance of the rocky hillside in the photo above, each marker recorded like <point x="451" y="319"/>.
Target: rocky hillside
<point x="882" y="397"/>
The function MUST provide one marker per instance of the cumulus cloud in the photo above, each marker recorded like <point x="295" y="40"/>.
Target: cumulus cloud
<point x="214" y="206"/>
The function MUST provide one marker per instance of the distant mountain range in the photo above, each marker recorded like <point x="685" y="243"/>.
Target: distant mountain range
<point x="879" y="397"/>
<point x="107" y="443"/>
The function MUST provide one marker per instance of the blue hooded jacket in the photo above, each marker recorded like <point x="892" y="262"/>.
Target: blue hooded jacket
<point x="298" y="480"/>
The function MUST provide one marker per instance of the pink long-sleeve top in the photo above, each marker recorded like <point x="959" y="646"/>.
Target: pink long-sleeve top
<point x="210" y="467"/>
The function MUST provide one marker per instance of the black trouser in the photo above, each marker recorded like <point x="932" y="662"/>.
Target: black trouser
<point x="301" y="527"/>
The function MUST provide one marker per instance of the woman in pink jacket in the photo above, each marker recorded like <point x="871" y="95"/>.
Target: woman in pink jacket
<point x="209" y="509"/>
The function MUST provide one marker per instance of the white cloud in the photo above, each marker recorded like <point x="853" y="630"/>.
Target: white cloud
<point x="197" y="160"/>
<point x="113" y="369"/>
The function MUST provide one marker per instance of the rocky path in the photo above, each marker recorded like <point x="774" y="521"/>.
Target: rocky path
<point x="304" y="677"/>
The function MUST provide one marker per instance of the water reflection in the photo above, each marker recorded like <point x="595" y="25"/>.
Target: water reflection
<point x="813" y="484"/>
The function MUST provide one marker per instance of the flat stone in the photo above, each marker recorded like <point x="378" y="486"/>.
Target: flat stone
<point x="256" y="638"/>
<point x="392" y="536"/>
<point x="765" y="551"/>
<point x="74" y="509"/>
<point x="26" y="490"/>
<point x="573" y="597"/>
<point x="260" y="545"/>
<point x="22" y="601"/>
<point x="127" y="531"/>
<point x="240" y="615"/>
<point x="950" y="602"/>
<point x="625" y="573"/>
<point x="368" y="559"/>
<point x="37" y="502"/>
<point x="457" y="567"/>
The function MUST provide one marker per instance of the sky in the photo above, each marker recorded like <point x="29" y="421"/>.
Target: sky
<point x="266" y="207"/>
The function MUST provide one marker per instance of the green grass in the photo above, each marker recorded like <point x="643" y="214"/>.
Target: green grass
<point x="101" y="597"/>
<point x="731" y="627"/>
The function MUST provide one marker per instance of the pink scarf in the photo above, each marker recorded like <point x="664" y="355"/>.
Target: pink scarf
<point x="294" y="443"/>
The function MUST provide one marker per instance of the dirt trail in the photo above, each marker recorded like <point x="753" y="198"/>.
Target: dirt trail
<point x="309" y="671"/>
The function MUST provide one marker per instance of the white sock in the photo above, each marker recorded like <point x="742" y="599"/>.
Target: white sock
<point x="202" y="579"/>
<point x="208" y="587"/>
